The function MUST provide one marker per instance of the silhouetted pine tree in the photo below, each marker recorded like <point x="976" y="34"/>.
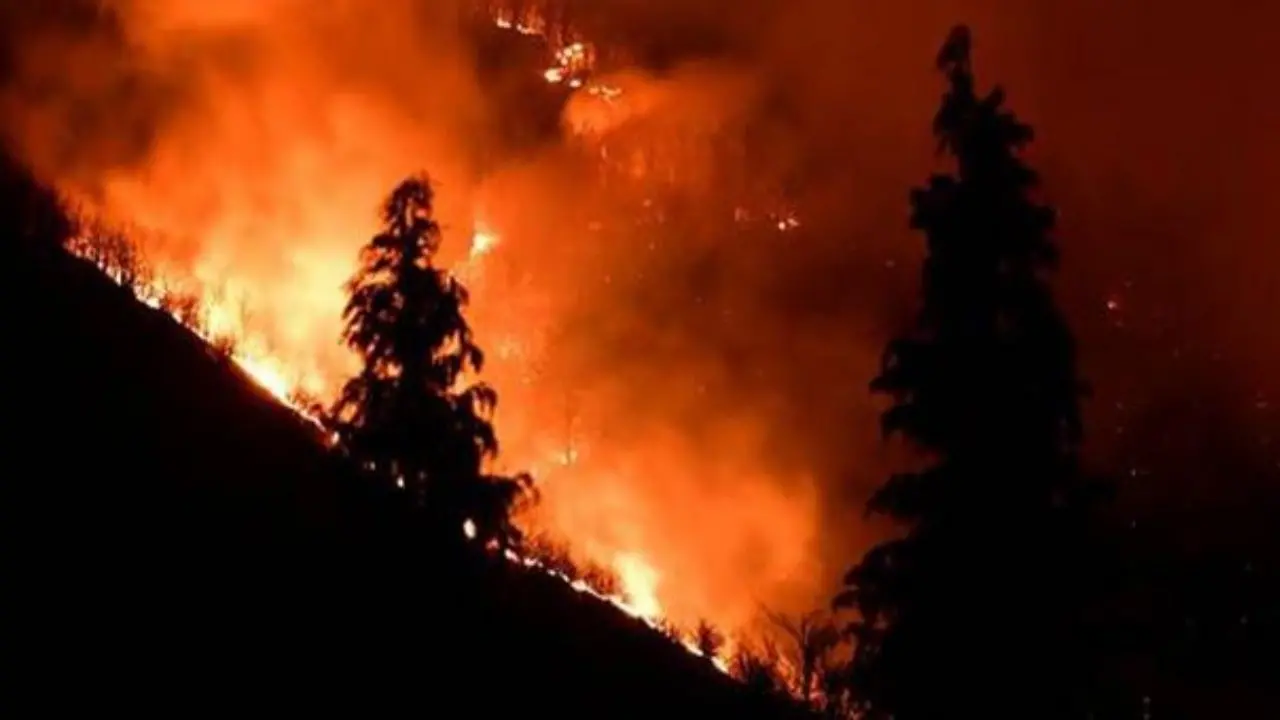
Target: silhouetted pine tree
<point x="404" y="419"/>
<point x="975" y="609"/>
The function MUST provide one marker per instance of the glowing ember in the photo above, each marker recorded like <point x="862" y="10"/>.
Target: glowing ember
<point x="571" y="62"/>
<point x="608" y="93"/>
<point x="648" y="615"/>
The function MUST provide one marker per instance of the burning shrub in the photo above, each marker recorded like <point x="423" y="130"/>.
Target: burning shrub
<point x="601" y="580"/>
<point x="708" y="639"/>
<point x="813" y="638"/>
<point x="552" y="555"/>
<point x="113" y="251"/>
<point x="759" y="670"/>
<point x="184" y="306"/>
<point x="668" y="628"/>
<point x="224" y="345"/>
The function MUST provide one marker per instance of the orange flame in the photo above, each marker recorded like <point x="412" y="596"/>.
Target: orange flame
<point x="277" y="315"/>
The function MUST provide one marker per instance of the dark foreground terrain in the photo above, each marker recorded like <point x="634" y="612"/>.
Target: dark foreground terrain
<point x="180" y="541"/>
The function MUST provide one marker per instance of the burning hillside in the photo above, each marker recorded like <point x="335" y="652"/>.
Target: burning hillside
<point x="225" y="518"/>
<point x="683" y="228"/>
<point x="244" y="217"/>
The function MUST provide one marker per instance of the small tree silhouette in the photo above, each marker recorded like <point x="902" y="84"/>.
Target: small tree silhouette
<point x="183" y="305"/>
<point x="405" y="418"/>
<point x="814" y="635"/>
<point x="708" y="640"/>
<point x="976" y="607"/>
<point x="114" y="252"/>
<point x="758" y="671"/>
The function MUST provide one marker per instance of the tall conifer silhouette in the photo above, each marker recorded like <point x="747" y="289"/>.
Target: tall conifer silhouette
<point x="405" y="418"/>
<point x="975" y="607"/>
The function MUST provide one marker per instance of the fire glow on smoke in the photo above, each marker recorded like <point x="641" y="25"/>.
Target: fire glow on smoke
<point x="638" y="581"/>
<point x="256" y="204"/>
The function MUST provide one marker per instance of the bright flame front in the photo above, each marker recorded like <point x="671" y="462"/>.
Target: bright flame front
<point x="264" y="197"/>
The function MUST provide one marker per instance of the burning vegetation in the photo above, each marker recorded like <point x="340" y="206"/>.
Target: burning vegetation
<point x="629" y="584"/>
<point x="413" y="418"/>
<point x="215" y="301"/>
<point x="602" y="494"/>
<point x="579" y="252"/>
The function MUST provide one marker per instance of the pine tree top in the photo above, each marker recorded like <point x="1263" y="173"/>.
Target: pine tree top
<point x="988" y="372"/>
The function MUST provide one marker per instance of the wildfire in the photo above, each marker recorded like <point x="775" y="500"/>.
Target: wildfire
<point x="644" y="609"/>
<point x="640" y="581"/>
<point x="278" y="323"/>
<point x="215" y="321"/>
<point x="571" y="63"/>
<point x="268" y="373"/>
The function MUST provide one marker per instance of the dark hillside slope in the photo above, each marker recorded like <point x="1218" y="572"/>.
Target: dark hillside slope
<point x="178" y="538"/>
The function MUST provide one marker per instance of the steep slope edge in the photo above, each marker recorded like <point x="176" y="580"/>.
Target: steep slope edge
<point x="178" y="532"/>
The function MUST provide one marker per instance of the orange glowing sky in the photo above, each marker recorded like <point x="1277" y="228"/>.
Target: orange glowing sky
<point x="706" y="379"/>
<point x="259" y="185"/>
